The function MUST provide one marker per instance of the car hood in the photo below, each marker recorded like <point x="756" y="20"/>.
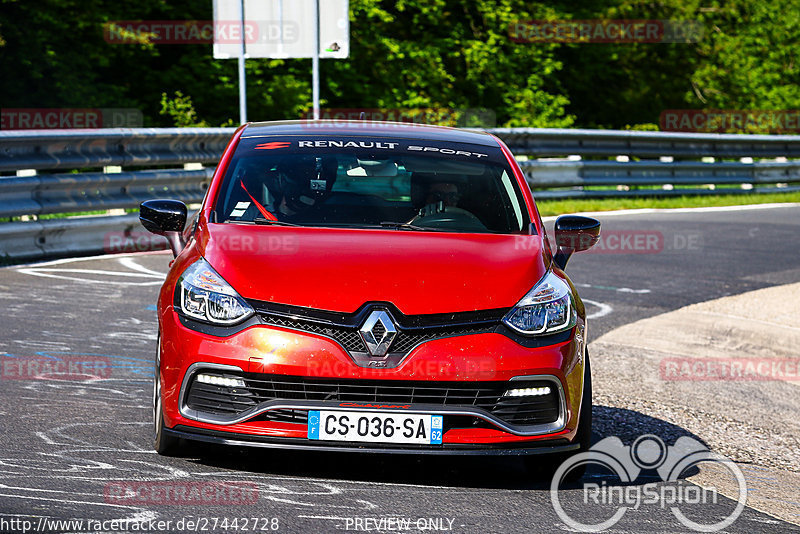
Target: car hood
<point x="341" y="269"/>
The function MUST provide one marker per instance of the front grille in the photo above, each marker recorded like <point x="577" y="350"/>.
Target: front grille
<point x="222" y="400"/>
<point x="406" y="341"/>
<point x="350" y="339"/>
<point x="486" y="395"/>
<point x="285" y="416"/>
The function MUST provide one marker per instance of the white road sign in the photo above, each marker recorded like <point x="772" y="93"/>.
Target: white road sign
<point x="282" y="28"/>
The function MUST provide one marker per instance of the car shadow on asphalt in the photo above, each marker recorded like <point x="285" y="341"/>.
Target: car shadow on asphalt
<point x="451" y="471"/>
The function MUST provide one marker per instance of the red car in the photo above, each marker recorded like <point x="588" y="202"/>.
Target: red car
<point x="374" y="287"/>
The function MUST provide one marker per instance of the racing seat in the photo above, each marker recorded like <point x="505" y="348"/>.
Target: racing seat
<point x="420" y="185"/>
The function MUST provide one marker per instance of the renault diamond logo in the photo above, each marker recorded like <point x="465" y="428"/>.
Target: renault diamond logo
<point x="378" y="332"/>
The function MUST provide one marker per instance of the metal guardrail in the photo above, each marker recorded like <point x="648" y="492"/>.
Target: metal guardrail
<point x="579" y="175"/>
<point x="556" y="142"/>
<point x="65" y="193"/>
<point x="85" y="189"/>
<point x="620" y="163"/>
<point x="75" y="149"/>
<point x="73" y="237"/>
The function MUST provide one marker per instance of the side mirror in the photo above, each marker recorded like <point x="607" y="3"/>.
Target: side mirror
<point x="574" y="233"/>
<point x="167" y="218"/>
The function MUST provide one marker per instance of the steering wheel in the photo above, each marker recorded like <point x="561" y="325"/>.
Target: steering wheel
<point x="451" y="217"/>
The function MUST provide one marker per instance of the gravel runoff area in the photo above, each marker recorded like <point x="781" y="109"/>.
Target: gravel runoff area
<point x="699" y="371"/>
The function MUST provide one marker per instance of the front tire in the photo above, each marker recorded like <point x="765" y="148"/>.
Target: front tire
<point x="164" y="444"/>
<point x="545" y="467"/>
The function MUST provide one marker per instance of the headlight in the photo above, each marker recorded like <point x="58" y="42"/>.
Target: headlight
<point x="206" y="296"/>
<point x="546" y="309"/>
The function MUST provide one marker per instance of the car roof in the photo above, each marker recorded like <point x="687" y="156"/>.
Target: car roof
<point x="342" y="128"/>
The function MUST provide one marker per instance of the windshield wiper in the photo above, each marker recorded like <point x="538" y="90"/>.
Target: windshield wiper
<point x="262" y="220"/>
<point x="406" y="226"/>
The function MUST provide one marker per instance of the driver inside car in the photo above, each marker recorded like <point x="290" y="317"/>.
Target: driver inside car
<point x="300" y="183"/>
<point x="440" y="195"/>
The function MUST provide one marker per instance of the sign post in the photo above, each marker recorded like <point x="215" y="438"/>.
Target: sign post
<point x="242" y="75"/>
<point x="315" y="63"/>
<point x="282" y="29"/>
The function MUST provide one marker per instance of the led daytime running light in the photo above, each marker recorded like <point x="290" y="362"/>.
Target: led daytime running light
<point x="215" y="380"/>
<point x="528" y="392"/>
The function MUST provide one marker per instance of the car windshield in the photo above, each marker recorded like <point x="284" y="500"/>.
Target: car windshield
<point x="400" y="184"/>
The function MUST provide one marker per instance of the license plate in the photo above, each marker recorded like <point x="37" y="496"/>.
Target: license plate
<point x="372" y="427"/>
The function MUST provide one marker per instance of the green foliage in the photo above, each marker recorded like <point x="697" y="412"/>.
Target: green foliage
<point x="642" y="127"/>
<point x="750" y="57"/>
<point x="181" y="110"/>
<point x="451" y="57"/>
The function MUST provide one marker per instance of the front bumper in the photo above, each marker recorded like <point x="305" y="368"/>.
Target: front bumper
<point x="265" y="349"/>
<point x="243" y="440"/>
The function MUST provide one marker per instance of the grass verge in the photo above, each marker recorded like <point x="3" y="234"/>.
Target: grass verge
<point x="560" y="207"/>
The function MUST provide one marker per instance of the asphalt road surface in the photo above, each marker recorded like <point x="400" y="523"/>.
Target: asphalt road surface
<point x="69" y="444"/>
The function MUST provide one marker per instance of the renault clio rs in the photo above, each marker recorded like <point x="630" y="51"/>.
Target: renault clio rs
<point x="364" y="286"/>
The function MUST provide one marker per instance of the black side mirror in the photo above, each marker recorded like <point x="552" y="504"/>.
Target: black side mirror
<point x="167" y="218"/>
<point x="574" y="233"/>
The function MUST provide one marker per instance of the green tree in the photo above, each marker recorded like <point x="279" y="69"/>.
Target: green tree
<point x="750" y="58"/>
<point x="437" y="54"/>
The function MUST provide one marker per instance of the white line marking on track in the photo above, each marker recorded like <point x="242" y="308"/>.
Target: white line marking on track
<point x="605" y="309"/>
<point x="38" y="272"/>
<point x="619" y="289"/>
<point x="34" y="497"/>
<point x="136" y="271"/>
<point x="174" y="472"/>
<point x="330" y="517"/>
<point x="47" y="440"/>
<point x="130" y="263"/>
<point x="30" y="515"/>
<point x="92" y="258"/>
<point x="97" y="271"/>
<point x="46" y="490"/>
<point x="646" y="211"/>
<point x="369" y="505"/>
<point x="288" y="501"/>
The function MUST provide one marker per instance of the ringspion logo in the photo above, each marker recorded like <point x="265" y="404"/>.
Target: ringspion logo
<point x="605" y="504"/>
